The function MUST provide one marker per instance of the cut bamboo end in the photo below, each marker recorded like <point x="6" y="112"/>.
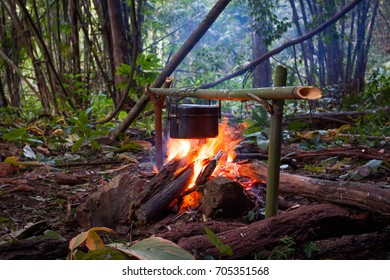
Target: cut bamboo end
<point x="309" y="92"/>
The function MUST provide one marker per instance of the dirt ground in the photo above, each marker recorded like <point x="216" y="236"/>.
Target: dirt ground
<point x="30" y="194"/>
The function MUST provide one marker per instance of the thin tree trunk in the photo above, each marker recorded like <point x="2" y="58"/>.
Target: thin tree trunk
<point x="262" y="74"/>
<point x="120" y="45"/>
<point x="300" y="33"/>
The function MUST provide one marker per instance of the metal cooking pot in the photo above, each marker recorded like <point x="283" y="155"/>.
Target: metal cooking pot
<point x="194" y="121"/>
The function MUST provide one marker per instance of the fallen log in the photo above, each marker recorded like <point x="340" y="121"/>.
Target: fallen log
<point x="362" y="246"/>
<point x="179" y="231"/>
<point x="364" y="196"/>
<point x="326" y="120"/>
<point x="307" y="223"/>
<point x="352" y="152"/>
<point x="29" y="249"/>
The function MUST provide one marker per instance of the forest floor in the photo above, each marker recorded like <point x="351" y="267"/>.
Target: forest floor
<point x="34" y="193"/>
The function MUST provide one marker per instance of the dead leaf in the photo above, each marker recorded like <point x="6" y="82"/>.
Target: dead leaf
<point x="68" y="179"/>
<point x="337" y="166"/>
<point x="6" y="169"/>
<point x="23" y="188"/>
<point x="36" y="130"/>
<point x="39" y="172"/>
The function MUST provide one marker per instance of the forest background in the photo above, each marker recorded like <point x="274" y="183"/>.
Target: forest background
<point x="76" y="61"/>
<point x="73" y="75"/>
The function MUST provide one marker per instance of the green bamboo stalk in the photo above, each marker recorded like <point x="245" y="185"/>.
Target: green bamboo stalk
<point x="269" y="93"/>
<point x="274" y="152"/>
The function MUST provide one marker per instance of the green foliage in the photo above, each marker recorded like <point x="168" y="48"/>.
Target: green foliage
<point x="258" y="128"/>
<point x="85" y="131"/>
<point x="218" y="243"/>
<point x="146" y="72"/>
<point x="20" y="135"/>
<point x="268" y="24"/>
<point x="313" y="143"/>
<point x="377" y="90"/>
<point x="284" y="250"/>
<point x="310" y="248"/>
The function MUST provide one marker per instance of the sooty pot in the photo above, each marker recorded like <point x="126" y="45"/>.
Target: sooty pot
<point x="194" y="121"/>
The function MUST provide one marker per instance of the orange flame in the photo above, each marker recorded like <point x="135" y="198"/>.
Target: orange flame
<point x="205" y="149"/>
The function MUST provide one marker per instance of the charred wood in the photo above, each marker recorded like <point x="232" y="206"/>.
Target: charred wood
<point x="165" y="196"/>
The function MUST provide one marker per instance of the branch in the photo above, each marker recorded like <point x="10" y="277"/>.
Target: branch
<point x="17" y="70"/>
<point x="277" y="50"/>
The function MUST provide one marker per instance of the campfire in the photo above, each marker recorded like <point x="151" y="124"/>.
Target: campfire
<point x="191" y="163"/>
<point x="202" y="151"/>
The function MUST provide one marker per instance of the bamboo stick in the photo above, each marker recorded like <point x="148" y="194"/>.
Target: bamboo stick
<point x="274" y="151"/>
<point x="269" y="93"/>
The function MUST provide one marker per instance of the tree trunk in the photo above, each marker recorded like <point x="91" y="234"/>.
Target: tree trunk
<point x="262" y="74"/>
<point x="120" y="46"/>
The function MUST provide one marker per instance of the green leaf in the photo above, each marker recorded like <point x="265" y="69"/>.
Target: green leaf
<point x="123" y="69"/>
<point x="15" y="134"/>
<point x="218" y="243"/>
<point x="297" y="125"/>
<point x="94" y="144"/>
<point x="106" y="253"/>
<point x="155" y="248"/>
<point x="77" y="144"/>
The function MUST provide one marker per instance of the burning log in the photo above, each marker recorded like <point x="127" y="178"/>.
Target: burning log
<point x="165" y="188"/>
<point x="307" y="223"/>
<point x="346" y="193"/>
<point x="208" y="170"/>
<point x="163" y="198"/>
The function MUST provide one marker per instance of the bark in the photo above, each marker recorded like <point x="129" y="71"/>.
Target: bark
<point x="162" y="199"/>
<point x="360" y="49"/>
<point x="361" y="246"/>
<point x="304" y="224"/>
<point x="304" y="48"/>
<point x="173" y="63"/>
<point x="120" y="46"/>
<point x="44" y="249"/>
<point x="180" y="231"/>
<point x="355" y="152"/>
<point x="262" y="73"/>
<point x="364" y="196"/>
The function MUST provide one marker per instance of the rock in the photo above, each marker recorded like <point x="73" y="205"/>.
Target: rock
<point x="225" y="198"/>
<point x="109" y="206"/>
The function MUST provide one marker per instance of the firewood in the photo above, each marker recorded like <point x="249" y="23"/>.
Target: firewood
<point x="165" y="196"/>
<point x="361" y="195"/>
<point x="208" y="170"/>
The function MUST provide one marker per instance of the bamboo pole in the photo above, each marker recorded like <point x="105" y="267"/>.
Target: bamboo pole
<point x="274" y="151"/>
<point x="269" y="93"/>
